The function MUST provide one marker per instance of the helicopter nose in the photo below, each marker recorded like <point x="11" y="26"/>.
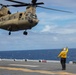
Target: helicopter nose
<point x="36" y="21"/>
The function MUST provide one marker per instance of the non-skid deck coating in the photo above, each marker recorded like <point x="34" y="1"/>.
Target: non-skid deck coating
<point x="35" y="68"/>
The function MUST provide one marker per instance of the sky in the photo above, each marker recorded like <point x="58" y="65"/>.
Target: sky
<point x="54" y="30"/>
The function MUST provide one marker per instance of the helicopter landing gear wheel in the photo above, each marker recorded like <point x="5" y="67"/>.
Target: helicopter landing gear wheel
<point x="9" y="32"/>
<point x="25" y="33"/>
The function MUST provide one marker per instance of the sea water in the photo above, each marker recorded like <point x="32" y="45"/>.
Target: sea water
<point x="46" y="54"/>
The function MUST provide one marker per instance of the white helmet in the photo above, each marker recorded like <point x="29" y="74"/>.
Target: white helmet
<point x="64" y="49"/>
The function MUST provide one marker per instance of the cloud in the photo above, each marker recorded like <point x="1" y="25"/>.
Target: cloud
<point x="48" y="28"/>
<point x="55" y="29"/>
<point x="57" y="23"/>
<point x="55" y="16"/>
<point x="59" y="30"/>
<point x="36" y="40"/>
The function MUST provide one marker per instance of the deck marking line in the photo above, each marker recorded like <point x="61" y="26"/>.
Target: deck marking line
<point x="64" y="73"/>
<point x="37" y="71"/>
<point x="24" y="65"/>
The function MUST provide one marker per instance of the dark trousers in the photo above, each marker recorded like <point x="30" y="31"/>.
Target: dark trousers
<point x="63" y="63"/>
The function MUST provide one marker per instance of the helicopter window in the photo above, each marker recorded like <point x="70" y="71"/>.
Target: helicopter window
<point x="33" y="16"/>
<point x="9" y="12"/>
<point x="20" y="15"/>
<point x="29" y="14"/>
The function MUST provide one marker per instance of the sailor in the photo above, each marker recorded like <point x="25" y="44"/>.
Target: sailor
<point x="63" y="56"/>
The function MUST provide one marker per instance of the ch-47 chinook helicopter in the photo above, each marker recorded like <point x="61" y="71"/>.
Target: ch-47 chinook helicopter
<point x="21" y="20"/>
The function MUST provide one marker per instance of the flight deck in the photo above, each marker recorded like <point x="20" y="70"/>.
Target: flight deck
<point x="8" y="67"/>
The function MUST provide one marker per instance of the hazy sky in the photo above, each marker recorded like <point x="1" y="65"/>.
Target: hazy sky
<point x="54" y="30"/>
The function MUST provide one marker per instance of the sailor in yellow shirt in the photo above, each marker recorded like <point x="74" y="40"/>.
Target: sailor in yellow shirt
<point x="63" y="56"/>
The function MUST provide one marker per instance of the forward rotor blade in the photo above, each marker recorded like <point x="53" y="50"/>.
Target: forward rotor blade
<point x="39" y="3"/>
<point x="55" y="9"/>
<point x="34" y="1"/>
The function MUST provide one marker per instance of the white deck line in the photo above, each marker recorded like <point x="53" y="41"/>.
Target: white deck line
<point x="24" y="65"/>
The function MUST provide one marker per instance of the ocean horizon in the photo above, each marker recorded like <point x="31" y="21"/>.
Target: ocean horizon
<point x="43" y="54"/>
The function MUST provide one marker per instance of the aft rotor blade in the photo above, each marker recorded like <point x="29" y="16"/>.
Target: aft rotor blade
<point x="18" y="5"/>
<point x="21" y="5"/>
<point x="1" y="4"/>
<point x="16" y="1"/>
<point x="55" y="9"/>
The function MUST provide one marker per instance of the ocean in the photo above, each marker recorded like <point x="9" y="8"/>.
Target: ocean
<point x="45" y="54"/>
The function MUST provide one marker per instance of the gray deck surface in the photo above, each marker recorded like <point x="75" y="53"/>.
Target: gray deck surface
<point x="35" y="68"/>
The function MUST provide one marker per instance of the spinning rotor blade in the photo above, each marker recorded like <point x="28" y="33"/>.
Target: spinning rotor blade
<point x="19" y="5"/>
<point x="16" y="1"/>
<point x="33" y="2"/>
<point x="55" y="9"/>
<point x="39" y="3"/>
<point x="1" y="4"/>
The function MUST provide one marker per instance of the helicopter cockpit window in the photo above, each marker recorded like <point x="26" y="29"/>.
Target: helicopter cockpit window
<point x="29" y="14"/>
<point x="34" y="16"/>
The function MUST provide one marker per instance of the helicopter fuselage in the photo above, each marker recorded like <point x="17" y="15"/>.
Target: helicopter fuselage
<point x="18" y="21"/>
<point x="21" y="20"/>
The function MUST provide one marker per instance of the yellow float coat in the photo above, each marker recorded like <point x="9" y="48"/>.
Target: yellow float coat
<point x="63" y="54"/>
